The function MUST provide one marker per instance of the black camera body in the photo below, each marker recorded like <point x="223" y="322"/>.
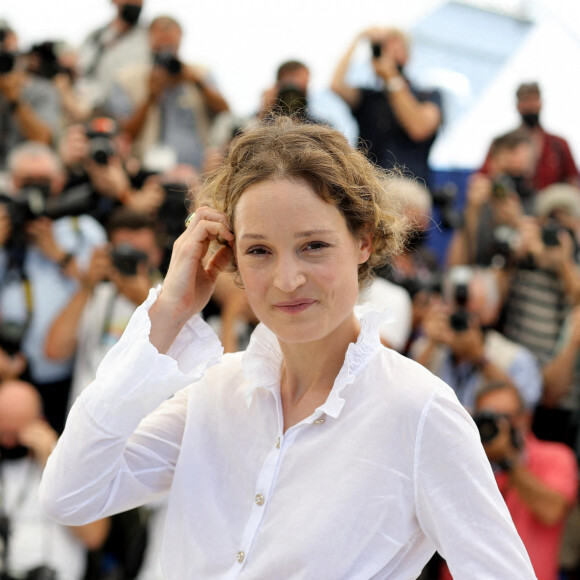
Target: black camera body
<point x="34" y="201"/>
<point x="100" y="132"/>
<point x="7" y="59"/>
<point x="47" y="65"/>
<point x="376" y="49"/>
<point x="487" y="423"/>
<point x="168" y="61"/>
<point x="11" y="336"/>
<point x="550" y="233"/>
<point x="126" y="259"/>
<point x="459" y="319"/>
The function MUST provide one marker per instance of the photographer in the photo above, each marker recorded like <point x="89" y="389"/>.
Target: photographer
<point x="109" y="48"/>
<point x="553" y="161"/>
<point x="289" y="96"/>
<point x="542" y="282"/>
<point x="167" y="102"/>
<point x="96" y="157"/>
<point x="40" y="261"/>
<point x="461" y="347"/>
<point x="117" y="281"/>
<point x="495" y="205"/>
<point x="397" y="122"/>
<point x="538" y="479"/>
<point x="29" y="105"/>
<point x="35" y="547"/>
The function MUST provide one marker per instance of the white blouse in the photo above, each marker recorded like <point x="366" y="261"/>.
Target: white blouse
<point x="389" y="469"/>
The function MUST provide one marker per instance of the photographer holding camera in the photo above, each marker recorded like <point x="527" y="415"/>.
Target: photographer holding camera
<point x="167" y="102"/>
<point x="459" y="343"/>
<point x="117" y="281"/>
<point x="32" y="546"/>
<point x="538" y="479"/>
<point x="397" y="122"/>
<point x="495" y="204"/>
<point x="40" y="261"/>
<point x="29" y="104"/>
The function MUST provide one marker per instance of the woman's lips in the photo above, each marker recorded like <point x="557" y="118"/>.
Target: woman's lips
<point x="295" y="306"/>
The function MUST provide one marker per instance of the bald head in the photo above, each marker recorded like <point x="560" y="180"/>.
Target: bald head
<point x="20" y="405"/>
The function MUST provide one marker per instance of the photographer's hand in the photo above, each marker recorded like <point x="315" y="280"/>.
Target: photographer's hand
<point x="40" y="232"/>
<point x="110" y="180"/>
<point x="191" y="275"/>
<point x="149" y="198"/>
<point x="5" y="225"/>
<point x="40" y="438"/>
<point x="74" y="148"/>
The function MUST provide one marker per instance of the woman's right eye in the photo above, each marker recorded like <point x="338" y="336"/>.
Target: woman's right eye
<point x="257" y="250"/>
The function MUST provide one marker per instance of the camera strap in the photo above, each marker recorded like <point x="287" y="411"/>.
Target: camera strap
<point x="28" y="296"/>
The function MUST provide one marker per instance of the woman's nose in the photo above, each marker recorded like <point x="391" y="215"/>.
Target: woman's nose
<point x="289" y="275"/>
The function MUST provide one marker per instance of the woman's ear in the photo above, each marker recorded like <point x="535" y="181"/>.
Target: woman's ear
<point x="365" y="246"/>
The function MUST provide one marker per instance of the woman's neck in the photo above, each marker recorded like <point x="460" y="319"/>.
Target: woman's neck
<point x="310" y="369"/>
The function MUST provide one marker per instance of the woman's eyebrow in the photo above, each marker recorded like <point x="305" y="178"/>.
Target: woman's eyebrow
<point x="304" y="234"/>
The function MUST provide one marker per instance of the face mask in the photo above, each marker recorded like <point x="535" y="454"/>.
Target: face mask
<point x="531" y="120"/>
<point x="13" y="453"/>
<point x="130" y="13"/>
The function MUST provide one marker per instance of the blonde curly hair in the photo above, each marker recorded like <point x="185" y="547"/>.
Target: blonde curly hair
<point x="287" y="149"/>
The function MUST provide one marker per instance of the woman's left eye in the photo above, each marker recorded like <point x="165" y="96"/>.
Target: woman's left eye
<point x="316" y="246"/>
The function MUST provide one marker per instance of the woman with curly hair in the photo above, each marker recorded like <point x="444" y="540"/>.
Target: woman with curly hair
<point x="317" y="453"/>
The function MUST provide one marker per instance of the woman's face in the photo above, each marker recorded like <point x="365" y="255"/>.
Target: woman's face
<point x="298" y="260"/>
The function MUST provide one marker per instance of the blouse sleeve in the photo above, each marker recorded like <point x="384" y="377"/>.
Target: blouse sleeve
<point x="459" y="505"/>
<point x="123" y="434"/>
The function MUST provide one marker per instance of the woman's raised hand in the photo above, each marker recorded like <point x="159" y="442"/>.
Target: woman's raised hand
<point x="191" y="275"/>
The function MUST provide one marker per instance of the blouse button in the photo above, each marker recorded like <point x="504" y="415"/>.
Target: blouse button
<point x="240" y="557"/>
<point x="259" y="499"/>
<point x="278" y="443"/>
<point x="320" y="421"/>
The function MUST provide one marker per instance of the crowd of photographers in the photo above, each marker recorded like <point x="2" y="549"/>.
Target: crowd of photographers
<point x="101" y="149"/>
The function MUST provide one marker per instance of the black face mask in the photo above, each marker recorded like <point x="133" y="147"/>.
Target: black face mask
<point x="130" y="13"/>
<point x="13" y="453"/>
<point x="531" y="120"/>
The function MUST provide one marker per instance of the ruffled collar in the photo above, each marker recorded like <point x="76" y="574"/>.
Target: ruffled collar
<point x="262" y="360"/>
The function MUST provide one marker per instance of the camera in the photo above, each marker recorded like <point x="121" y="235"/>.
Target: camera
<point x="502" y="186"/>
<point x="45" y="62"/>
<point x="445" y="199"/>
<point x="100" y="132"/>
<point x="11" y="336"/>
<point x="459" y="319"/>
<point x="168" y="61"/>
<point x="291" y="100"/>
<point x="487" y="423"/>
<point x="376" y="49"/>
<point x="34" y="201"/>
<point x="126" y="259"/>
<point x="550" y="233"/>
<point x="7" y="59"/>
